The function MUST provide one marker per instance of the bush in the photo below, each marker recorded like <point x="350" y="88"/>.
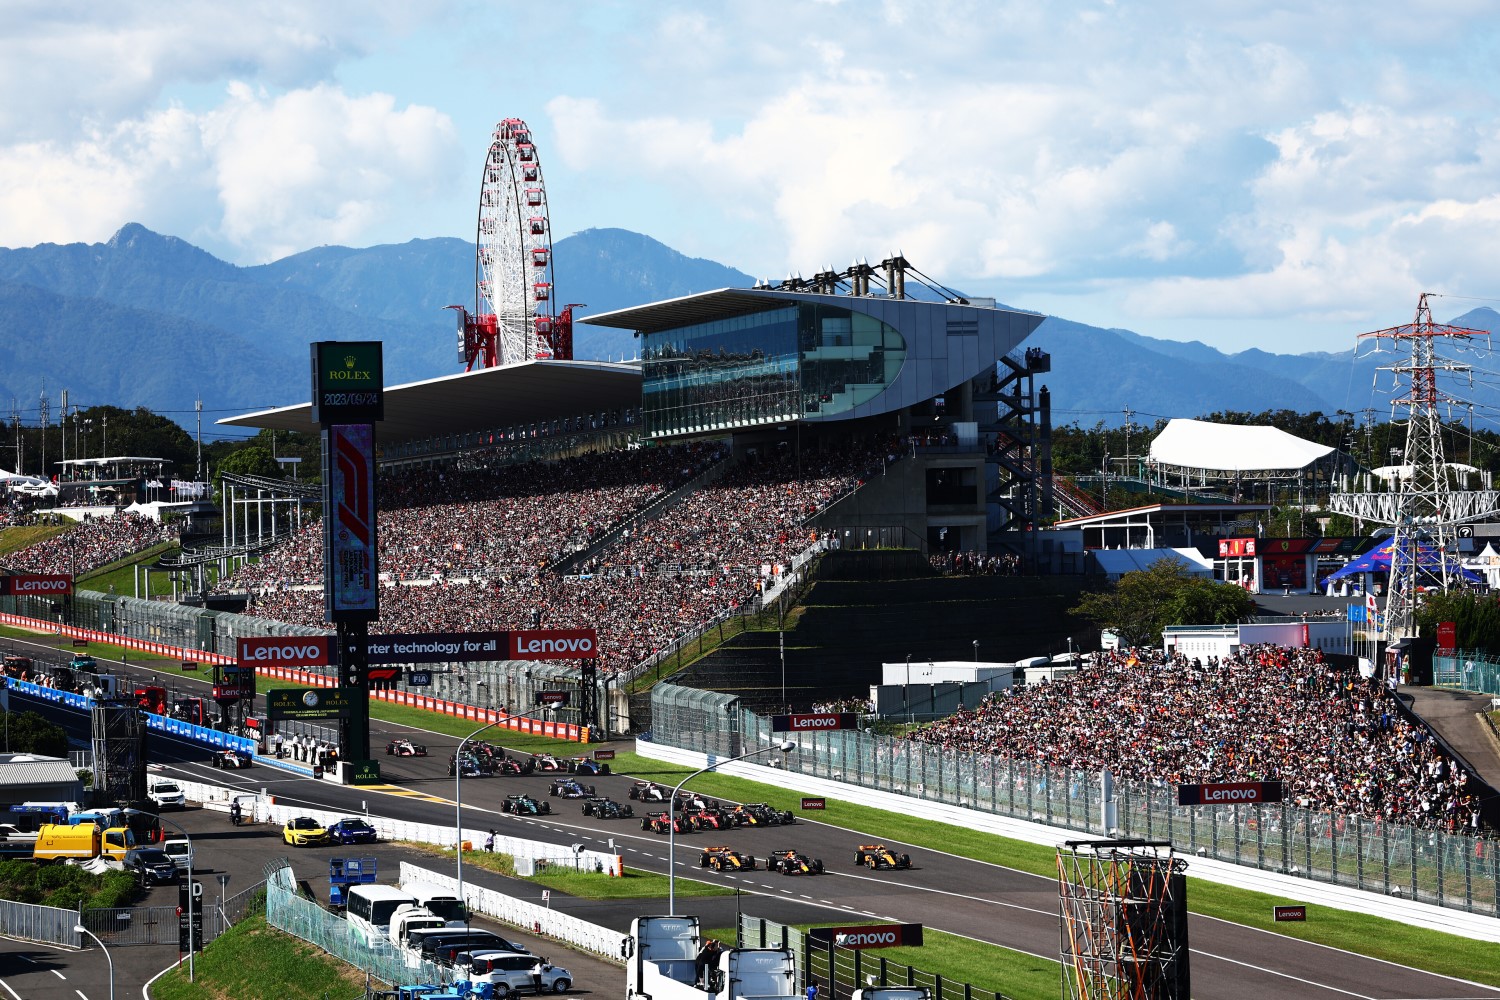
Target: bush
<point x="64" y="886"/>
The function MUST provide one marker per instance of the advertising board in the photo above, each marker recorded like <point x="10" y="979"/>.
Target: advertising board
<point x="351" y="591"/>
<point x="307" y="703"/>
<point x="869" y="936"/>
<point x="1236" y="793"/>
<point x="348" y="380"/>
<point x="814" y="722"/>
<point x="35" y="585"/>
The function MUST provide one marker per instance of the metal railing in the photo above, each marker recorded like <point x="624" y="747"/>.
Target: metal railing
<point x="1446" y="869"/>
<point x="840" y="971"/>
<point x="125" y="926"/>
<point x="43" y="924"/>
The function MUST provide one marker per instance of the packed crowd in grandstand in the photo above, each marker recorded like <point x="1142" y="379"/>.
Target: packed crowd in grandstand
<point x="468" y="549"/>
<point x="93" y="542"/>
<point x="1335" y="739"/>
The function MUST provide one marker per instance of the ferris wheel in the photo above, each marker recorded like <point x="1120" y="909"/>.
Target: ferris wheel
<point x="513" y="318"/>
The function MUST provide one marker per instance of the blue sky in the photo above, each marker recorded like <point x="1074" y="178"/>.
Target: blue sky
<point x="1281" y="176"/>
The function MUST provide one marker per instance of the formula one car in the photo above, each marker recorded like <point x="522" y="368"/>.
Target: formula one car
<point x="880" y="857"/>
<point x="587" y="765"/>
<point x="405" y="748"/>
<point x="230" y="759"/>
<point x="525" y="805"/>
<point x="469" y="767"/>
<point x="547" y="762"/>
<point x="567" y="788"/>
<point x="709" y="819"/>
<point x="792" y="863"/>
<point x="768" y="816"/>
<point x="724" y="859"/>
<point x="604" y="807"/>
<point x="646" y="791"/>
<point x="692" y="800"/>
<point x="509" y="765"/>
<point x="663" y="823"/>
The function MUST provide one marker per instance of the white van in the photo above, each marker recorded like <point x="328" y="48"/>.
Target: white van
<point x="181" y="853"/>
<point x="411" y="917"/>
<point x="441" y="902"/>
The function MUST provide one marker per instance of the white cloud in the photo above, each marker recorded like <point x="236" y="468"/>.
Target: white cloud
<point x="257" y="176"/>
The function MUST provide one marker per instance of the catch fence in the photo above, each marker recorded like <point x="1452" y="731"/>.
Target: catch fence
<point x="840" y="971"/>
<point x="1430" y="866"/>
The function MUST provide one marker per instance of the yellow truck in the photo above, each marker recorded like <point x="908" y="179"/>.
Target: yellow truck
<point x="58" y="842"/>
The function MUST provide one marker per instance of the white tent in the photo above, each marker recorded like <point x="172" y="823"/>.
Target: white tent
<point x="1198" y="444"/>
<point x="16" y="479"/>
<point x="1115" y="563"/>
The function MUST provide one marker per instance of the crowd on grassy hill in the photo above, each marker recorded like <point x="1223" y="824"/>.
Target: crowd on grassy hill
<point x="1271" y="713"/>
<point x="93" y="542"/>
<point x="706" y="556"/>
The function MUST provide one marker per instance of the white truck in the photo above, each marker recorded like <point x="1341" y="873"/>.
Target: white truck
<point x="413" y="917"/>
<point x="664" y="960"/>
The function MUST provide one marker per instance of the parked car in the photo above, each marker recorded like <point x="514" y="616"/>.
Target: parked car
<point x="152" y="865"/>
<point x="352" y="830"/>
<point x="180" y="850"/>
<point x="510" y="973"/>
<point x="304" y="831"/>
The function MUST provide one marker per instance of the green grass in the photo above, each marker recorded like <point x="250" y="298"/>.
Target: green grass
<point x="635" y="884"/>
<point x="17" y="538"/>
<point x="121" y="574"/>
<point x="1390" y="940"/>
<point x="1015" y="974"/>
<point x="254" y="960"/>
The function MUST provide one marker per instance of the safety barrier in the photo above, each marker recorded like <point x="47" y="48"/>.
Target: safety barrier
<point x="43" y="924"/>
<point x="159" y="723"/>
<point x="111" y="638"/>
<point x="542" y="920"/>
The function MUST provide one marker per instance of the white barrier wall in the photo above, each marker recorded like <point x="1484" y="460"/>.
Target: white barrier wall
<point x="538" y="919"/>
<point x="262" y="809"/>
<point x="1291" y="888"/>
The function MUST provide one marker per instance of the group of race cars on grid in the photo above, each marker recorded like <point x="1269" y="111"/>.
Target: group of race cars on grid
<point x="481" y="760"/>
<point x="876" y="857"/>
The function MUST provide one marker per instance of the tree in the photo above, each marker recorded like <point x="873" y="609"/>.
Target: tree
<point x="251" y="461"/>
<point x="1141" y="606"/>
<point x="1476" y="618"/>
<point x="29" y="732"/>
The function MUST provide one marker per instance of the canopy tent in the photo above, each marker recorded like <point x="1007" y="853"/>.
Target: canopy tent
<point x="16" y="479"/>
<point x="1199" y="444"/>
<point x="1378" y="560"/>
<point x="1114" y="563"/>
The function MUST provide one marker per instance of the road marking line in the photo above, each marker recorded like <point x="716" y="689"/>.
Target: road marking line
<point x="82" y="994"/>
<point x="59" y="975"/>
<point x="7" y="985"/>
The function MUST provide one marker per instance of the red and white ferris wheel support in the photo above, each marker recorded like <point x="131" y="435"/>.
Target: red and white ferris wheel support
<point x="514" y="289"/>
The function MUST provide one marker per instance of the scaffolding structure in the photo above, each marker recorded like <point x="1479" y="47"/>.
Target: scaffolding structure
<point x="1123" y="912"/>
<point x="119" y="744"/>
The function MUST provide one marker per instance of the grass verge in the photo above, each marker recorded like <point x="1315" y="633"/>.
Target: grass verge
<point x="254" y="960"/>
<point x="582" y="884"/>
<point x="1015" y="974"/>
<point x="17" y="538"/>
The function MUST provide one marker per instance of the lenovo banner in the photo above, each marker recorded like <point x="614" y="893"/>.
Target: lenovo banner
<point x="813" y="722"/>
<point x="35" y="586"/>
<point x="285" y="651"/>
<point x="554" y="644"/>
<point x="437" y="647"/>
<point x="870" y="936"/>
<point x="1230" y="794"/>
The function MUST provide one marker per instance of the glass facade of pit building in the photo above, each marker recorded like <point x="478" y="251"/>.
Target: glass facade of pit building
<point x="801" y="360"/>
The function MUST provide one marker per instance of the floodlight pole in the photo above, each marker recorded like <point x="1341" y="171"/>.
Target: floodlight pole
<point x="162" y="819"/>
<point x="785" y="746"/>
<point x="458" y="799"/>
<point x="80" y="929"/>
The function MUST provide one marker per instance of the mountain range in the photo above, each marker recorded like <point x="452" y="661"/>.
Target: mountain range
<point x="151" y="320"/>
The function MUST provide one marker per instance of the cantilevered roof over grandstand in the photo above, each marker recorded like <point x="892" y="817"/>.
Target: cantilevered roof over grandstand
<point x="505" y="396"/>
<point x="700" y="307"/>
<point x="1199" y="444"/>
